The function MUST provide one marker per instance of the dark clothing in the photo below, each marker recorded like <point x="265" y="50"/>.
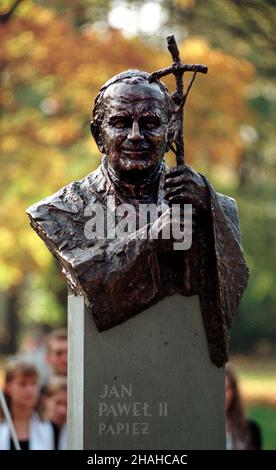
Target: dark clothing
<point x="255" y="435"/>
<point x="24" y="445"/>
<point x="249" y="439"/>
<point x="56" y="431"/>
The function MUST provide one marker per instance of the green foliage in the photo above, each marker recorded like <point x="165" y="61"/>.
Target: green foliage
<point x="257" y="211"/>
<point x="245" y="27"/>
<point x="265" y="417"/>
<point x="257" y="380"/>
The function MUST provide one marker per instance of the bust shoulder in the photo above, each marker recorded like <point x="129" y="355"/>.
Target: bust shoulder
<point x="59" y="219"/>
<point x="71" y="199"/>
<point x="230" y="210"/>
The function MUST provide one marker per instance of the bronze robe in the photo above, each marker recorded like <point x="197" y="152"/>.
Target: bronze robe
<point x="120" y="278"/>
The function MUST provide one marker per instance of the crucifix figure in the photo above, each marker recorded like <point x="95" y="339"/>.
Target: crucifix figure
<point x="135" y="122"/>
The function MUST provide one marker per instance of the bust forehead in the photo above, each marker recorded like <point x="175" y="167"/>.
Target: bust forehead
<point x="133" y="90"/>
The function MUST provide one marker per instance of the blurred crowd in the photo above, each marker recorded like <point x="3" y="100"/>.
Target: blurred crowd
<point x="33" y="409"/>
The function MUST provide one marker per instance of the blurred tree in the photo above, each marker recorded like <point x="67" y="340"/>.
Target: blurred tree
<point x="7" y="13"/>
<point x="80" y="12"/>
<point x="244" y="26"/>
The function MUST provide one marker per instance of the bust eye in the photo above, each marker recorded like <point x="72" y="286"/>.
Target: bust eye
<point x="150" y="123"/>
<point x="121" y="123"/>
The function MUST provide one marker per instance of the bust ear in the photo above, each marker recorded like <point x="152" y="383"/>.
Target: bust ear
<point x="169" y="137"/>
<point x="96" y="134"/>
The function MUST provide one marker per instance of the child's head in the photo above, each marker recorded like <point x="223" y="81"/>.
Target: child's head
<point x="55" y="400"/>
<point x="21" y="384"/>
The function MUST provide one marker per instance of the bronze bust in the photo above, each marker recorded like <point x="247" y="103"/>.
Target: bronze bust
<point x="132" y="126"/>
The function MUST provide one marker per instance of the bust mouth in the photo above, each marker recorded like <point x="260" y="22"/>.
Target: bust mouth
<point x="134" y="152"/>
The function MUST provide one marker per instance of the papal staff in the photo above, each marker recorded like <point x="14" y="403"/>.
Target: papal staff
<point x="176" y="137"/>
<point x="179" y="97"/>
<point x="8" y="419"/>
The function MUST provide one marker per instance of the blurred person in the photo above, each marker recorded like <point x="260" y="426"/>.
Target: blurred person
<point x="33" y="349"/>
<point x="21" y="391"/>
<point x="56" y="351"/>
<point x="55" y="409"/>
<point x="241" y="433"/>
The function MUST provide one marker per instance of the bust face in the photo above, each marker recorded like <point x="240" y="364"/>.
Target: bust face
<point x="133" y="130"/>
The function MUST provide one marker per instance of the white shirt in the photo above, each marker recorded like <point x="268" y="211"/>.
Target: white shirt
<point x="41" y="434"/>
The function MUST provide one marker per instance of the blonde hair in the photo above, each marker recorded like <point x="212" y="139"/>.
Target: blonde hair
<point x="59" y="334"/>
<point x="18" y="367"/>
<point x="55" y="384"/>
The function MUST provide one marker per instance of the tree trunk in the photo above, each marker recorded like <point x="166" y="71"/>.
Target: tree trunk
<point x="12" y="324"/>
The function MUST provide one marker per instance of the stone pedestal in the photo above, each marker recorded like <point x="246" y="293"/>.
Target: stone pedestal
<point x="145" y="384"/>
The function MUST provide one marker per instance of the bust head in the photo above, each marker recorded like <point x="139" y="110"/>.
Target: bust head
<point x="130" y="123"/>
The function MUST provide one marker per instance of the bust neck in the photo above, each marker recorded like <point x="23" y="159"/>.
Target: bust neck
<point x="144" y="190"/>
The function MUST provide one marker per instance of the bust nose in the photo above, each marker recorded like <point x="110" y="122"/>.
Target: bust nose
<point x="135" y="135"/>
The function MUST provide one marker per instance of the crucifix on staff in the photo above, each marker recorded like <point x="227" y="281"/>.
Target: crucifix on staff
<point x="179" y="97"/>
